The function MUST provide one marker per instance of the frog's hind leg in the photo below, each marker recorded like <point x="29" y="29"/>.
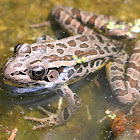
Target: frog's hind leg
<point x="67" y="21"/>
<point x="82" y="22"/>
<point x="123" y="86"/>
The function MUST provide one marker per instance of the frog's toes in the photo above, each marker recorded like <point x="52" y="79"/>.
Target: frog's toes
<point x="41" y="120"/>
<point x="45" y="111"/>
<point x="52" y="120"/>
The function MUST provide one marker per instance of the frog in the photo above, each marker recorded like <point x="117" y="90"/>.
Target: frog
<point x="55" y="64"/>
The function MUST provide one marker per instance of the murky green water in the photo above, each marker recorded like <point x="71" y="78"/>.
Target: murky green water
<point x="15" y="20"/>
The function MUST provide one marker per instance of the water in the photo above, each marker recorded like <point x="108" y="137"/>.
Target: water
<point x="16" y="18"/>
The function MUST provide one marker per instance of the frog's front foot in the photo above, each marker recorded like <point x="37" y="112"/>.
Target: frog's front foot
<point x="51" y="120"/>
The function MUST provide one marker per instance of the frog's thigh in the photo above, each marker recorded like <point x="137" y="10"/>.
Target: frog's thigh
<point x="69" y="22"/>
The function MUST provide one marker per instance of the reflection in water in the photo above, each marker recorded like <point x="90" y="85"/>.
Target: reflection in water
<point x="28" y="95"/>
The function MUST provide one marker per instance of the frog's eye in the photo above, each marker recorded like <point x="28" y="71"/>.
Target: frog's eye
<point x="52" y="75"/>
<point x="37" y="72"/>
<point x="16" y="48"/>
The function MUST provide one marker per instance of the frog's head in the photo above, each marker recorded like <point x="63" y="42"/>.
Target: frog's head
<point x="27" y="67"/>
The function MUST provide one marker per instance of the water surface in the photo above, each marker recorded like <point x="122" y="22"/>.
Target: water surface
<point x="16" y="18"/>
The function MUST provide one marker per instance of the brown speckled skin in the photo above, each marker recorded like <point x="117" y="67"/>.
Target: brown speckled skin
<point x="53" y="63"/>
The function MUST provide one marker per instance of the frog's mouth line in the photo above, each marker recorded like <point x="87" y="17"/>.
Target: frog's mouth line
<point x="13" y="89"/>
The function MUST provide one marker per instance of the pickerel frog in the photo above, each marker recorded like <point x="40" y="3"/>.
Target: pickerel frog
<point x="56" y="63"/>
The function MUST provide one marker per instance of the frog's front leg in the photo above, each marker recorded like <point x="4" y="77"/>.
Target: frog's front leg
<point x="74" y="102"/>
